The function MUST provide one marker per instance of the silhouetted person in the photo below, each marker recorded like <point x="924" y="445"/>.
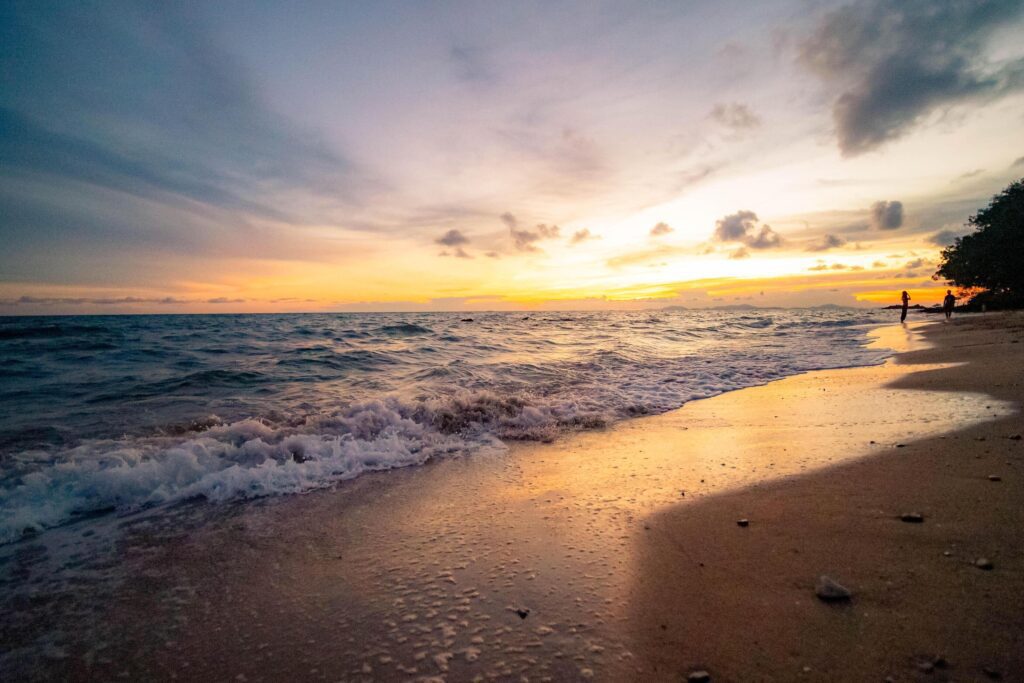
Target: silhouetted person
<point x="948" y="303"/>
<point x="906" y="304"/>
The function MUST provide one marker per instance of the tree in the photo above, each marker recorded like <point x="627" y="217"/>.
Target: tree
<point x="992" y="257"/>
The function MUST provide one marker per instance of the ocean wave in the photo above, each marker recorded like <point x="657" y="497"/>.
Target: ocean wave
<point x="311" y="400"/>
<point x="404" y="329"/>
<point x="47" y="331"/>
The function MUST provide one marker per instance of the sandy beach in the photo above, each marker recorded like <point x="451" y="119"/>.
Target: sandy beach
<point x="607" y="555"/>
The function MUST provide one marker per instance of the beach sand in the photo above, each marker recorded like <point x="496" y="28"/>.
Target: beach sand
<point x="612" y="555"/>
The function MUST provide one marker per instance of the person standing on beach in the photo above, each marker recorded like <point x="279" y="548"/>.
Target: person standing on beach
<point x="906" y="304"/>
<point x="948" y="303"/>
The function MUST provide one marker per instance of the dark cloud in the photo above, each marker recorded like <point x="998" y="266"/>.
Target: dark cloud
<point x="742" y="226"/>
<point x="524" y="239"/>
<point x="735" y="227"/>
<point x="739" y="253"/>
<point x="765" y="238"/>
<point x="452" y="238"/>
<point x="886" y="215"/>
<point x="944" y="238"/>
<point x="1018" y="163"/>
<point x="582" y="236"/>
<point x="661" y="229"/>
<point x="735" y="116"/>
<point x="892" y="62"/>
<point x="827" y="242"/>
<point x="225" y="300"/>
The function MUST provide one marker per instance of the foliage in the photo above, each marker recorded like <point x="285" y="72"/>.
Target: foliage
<point x="990" y="258"/>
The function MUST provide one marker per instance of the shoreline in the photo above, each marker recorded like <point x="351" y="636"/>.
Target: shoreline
<point x="422" y="572"/>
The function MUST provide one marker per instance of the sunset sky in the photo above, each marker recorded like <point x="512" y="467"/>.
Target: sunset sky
<point x="245" y="156"/>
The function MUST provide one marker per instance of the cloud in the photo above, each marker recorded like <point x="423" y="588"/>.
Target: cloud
<point x="547" y="231"/>
<point x="739" y="253"/>
<point x="471" y="65"/>
<point x="970" y="174"/>
<point x="90" y="109"/>
<point x="891" y="63"/>
<point x="735" y="116"/>
<point x="827" y="242"/>
<point x="452" y="238"/>
<point x="766" y="238"/>
<point x="661" y="229"/>
<point x="113" y="301"/>
<point x="647" y="256"/>
<point x="735" y="226"/>
<point x="524" y="239"/>
<point x="1017" y="163"/>
<point x="886" y="215"/>
<point x="944" y="238"/>
<point x="458" y="252"/>
<point x="742" y="226"/>
<point x="916" y="263"/>
<point x="582" y="236"/>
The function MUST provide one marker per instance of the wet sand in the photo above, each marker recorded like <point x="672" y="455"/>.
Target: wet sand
<point x="612" y="555"/>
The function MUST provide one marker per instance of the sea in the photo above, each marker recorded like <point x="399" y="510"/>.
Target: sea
<point x="114" y="414"/>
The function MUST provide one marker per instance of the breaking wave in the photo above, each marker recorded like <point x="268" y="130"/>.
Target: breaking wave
<point x="132" y="430"/>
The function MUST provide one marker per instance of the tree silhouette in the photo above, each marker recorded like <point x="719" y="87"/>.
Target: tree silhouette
<point x="990" y="258"/>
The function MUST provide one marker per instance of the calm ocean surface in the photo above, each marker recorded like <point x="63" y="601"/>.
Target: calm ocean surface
<point x="123" y="412"/>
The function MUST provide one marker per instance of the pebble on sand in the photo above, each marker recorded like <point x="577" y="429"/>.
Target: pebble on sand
<point x="983" y="563"/>
<point x="912" y="517"/>
<point x="699" y="677"/>
<point x="829" y="590"/>
<point x="994" y="477"/>
<point x="743" y="522"/>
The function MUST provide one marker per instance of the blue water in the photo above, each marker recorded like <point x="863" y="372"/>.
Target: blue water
<point x="123" y="412"/>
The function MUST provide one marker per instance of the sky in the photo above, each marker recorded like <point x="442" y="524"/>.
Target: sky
<point x="246" y="156"/>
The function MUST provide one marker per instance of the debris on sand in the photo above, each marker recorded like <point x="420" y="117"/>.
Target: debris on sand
<point x="743" y="522"/>
<point x="912" y="517"/>
<point x="699" y="677"/>
<point x="984" y="563"/>
<point x="830" y="590"/>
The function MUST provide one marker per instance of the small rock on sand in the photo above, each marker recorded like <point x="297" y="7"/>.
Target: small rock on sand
<point x="743" y="522"/>
<point x="983" y="563"/>
<point x="994" y="477"/>
<point x="1015" y="437"/>
<point x="699" y="677"/>
<point x="829" y="590"/>
<point x="912" y="517"/>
